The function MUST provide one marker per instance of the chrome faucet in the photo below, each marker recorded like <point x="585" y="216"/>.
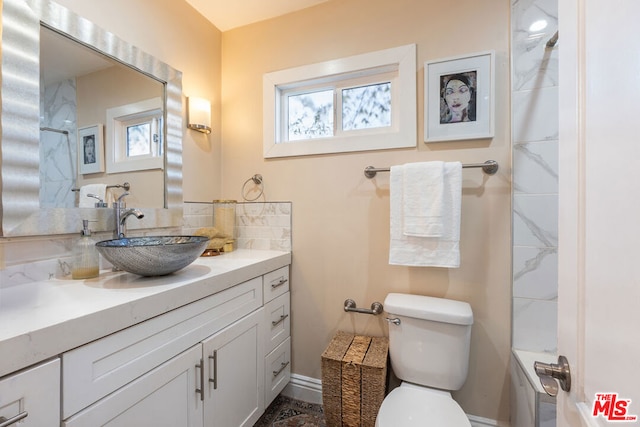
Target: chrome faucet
<point x="121" y="215"/>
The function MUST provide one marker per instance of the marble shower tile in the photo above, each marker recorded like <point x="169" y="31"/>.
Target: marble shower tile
<point x="535" y="115"/>
<point x="535" y="168"/>
<point x="535" y="220"/>
<point x="535" y="325"/>
<point x="534" y="65"/>
<point x="535" y="273"/>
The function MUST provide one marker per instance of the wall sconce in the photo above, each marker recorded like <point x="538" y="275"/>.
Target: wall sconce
<point x="199" y="115"/>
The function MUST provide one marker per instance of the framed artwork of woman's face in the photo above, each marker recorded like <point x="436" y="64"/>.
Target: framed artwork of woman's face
<point x="459" y="98"/>
<point x="90" y="149"/>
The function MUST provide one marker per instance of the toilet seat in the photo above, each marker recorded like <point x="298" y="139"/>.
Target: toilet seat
<point x="412" y="406"/>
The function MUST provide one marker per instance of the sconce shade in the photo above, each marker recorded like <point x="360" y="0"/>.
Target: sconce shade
<point x="199" y="114"/>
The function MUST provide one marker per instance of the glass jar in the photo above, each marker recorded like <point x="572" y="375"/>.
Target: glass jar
<point x="224" y="218"/>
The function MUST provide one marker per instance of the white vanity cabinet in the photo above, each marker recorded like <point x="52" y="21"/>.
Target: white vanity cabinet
<point x="165" y="396"/>
<point x="200" y="364"/>
<point x="31" y="398"/>
<point x="277" y="341"/>
<point x="234" y="386"/>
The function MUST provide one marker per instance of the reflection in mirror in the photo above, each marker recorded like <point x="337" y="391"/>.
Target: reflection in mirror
<point x="79" y="89"/>
<point x="26" y="94"/>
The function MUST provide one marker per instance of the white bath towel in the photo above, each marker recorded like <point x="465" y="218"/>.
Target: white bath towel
<point x="99" y="190"/>
<point x="442" y="251"/>
<point x="422" y="207"/>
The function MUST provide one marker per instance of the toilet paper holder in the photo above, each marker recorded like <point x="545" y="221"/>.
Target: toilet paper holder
<point x="350" y="305"/>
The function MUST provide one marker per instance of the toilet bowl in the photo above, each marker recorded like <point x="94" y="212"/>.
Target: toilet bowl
<point x="411" y="406"/>
<point x="429" y="340"/>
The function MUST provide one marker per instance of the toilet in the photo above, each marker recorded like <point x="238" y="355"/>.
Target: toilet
<point x="429" y="351"/>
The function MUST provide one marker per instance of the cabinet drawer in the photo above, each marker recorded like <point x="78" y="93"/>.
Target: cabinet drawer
<point x="32" y="396"/>
<point x="276" y="283"/>
<point x="277" y="371"/>
<point x="92" y="371"/>
<point x="277" y="321"/>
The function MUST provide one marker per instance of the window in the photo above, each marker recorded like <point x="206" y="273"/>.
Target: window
<point x="135" y="136"/>
<point x="366" y="102"/>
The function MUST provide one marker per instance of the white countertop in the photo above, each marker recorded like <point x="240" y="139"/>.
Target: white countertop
<point x="42" y="319"/>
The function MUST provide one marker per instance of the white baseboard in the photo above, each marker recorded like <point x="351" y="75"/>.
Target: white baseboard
<point x="482" y="422"/>
<point x="309" y="390"/>
<point x="304" y="388"/>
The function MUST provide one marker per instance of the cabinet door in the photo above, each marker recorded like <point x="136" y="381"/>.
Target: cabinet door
<point x="235" y="395"/>
<point x="32" y="397"/>
<point x="166" y="396"/>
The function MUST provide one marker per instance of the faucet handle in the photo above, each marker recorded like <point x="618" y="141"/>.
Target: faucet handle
<point x="122" y="196"/>
<point x="100" y="203"/>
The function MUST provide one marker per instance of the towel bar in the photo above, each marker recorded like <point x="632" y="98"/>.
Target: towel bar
<point x="490" y="167"/>
<point x="126" y="186"/>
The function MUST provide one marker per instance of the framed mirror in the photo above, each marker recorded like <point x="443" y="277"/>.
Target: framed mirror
<point x="35" y="29"/>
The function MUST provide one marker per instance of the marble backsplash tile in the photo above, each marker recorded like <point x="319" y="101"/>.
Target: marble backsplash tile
<point x="259" y="226"/>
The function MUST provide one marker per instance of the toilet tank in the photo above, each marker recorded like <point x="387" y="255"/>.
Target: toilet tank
<point x="430" y="344"/>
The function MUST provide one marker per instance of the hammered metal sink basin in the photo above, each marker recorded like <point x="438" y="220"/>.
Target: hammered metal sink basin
<point x="152" y="255"/>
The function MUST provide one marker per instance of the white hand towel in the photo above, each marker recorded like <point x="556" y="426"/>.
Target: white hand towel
<point x="422" y="201"/>
<point x="442" y="251"/>
<point x="96" y="189"/>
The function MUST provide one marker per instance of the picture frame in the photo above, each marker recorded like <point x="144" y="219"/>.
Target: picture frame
<point x="459" y="97"/>
<point x="90" y="149"/>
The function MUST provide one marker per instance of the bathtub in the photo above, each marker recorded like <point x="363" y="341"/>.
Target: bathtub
<point x="530" y="405"/>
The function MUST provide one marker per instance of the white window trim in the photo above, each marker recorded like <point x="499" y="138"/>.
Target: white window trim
<point x="401" y="136"/>
<point x="117" y="117"/>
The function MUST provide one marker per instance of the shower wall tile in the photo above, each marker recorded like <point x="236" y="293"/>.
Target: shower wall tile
<point x="534" y="23"/>
<point x="58" y="152"/>
<point x="534" y="120"/>
<point x="535" y="220"/>
<point x="535" y="168"/>
<point x="535" y="115"/>
<point x="535" y="325"/>
<point x="535" y="273"/>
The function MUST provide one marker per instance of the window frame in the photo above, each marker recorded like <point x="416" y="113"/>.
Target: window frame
<point x="346" y="72"/>
<point x="118" y="119"/>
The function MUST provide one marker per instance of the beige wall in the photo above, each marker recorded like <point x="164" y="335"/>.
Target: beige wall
<point x="176" y="34"/>
<point x="341" y="219"/>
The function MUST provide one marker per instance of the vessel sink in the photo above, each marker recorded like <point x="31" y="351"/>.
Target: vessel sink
<point x="152" y="255"/>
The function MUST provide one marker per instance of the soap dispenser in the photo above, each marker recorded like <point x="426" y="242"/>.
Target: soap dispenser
<point x="85" y="255"/>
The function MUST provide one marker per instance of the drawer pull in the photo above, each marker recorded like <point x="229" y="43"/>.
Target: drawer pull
<point x="282" y="366"/>
<point x="4" y="422"/>
<point x="201" y="389"/>
<point x="281" y="282"/>
<point x="277" y="322"/>
<point x="214" y="380"/>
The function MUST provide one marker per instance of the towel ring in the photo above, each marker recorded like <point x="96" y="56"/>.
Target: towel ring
<point x="257" y="180"/>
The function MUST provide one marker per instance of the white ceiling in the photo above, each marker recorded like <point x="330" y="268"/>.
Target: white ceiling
<point x="229" y="14"/>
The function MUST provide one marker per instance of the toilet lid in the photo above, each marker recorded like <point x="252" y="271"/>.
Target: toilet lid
<point x="412" y="406"/>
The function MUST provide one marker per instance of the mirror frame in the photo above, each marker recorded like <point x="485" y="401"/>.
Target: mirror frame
<point x="20" y="205"/>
